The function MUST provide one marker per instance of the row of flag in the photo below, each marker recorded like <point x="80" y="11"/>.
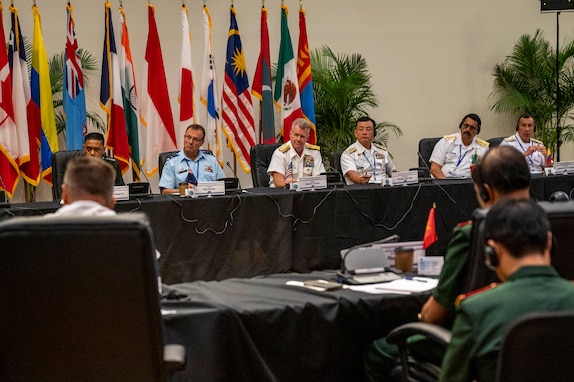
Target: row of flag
<point x="141" y="125"/>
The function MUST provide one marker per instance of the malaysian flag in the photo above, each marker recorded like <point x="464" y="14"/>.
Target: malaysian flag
<point x="237" y="109"/>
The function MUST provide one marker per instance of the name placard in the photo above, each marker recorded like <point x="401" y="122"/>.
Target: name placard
<point x="209" y="188"/>
<point x="307" y="183"/>
<point x="122" y="192"/>
<point x="405" y="177"/>
<point x="563" y="168"/>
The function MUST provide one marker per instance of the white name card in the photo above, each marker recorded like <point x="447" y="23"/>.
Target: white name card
<point x="307" y="183"/>
<point x="563" y="168"/>
<point x="405" y="177"/>
<point x="122" y="192"/>
<point x="209" y="188"/>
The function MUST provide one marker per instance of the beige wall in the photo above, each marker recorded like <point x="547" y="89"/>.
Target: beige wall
<point x="431" y="60"/>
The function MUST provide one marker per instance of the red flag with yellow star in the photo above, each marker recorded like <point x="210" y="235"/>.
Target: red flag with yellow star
<point x="430" y="230"/>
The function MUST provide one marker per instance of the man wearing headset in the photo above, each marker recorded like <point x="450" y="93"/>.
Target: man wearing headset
<point x="518" y="249"/>
<point x="454" y="155"/>
<point x="532" y="149"/>
<point x="502" y="173"/>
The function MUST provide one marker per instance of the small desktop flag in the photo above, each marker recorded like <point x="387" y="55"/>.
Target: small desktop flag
<point x="430" y="230"/>
<point x="289" y="172"/>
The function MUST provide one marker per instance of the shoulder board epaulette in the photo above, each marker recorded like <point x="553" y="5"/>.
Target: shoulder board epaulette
<point x="482" y="142"/>
<point x="536" y="141"/>
<point x="285" y="147"/>
<point x="449" y="137"/>
<point x="312" y="147"/>
<point x="464" y="296"/>
<point x="512" y="138"/>
<point x="351" y="150"/>
<point x="462" y="224"/>
<point x="379" y="145"/>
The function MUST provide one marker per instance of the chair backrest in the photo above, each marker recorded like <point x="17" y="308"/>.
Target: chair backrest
<point x="335" y="162"/>
<point x="538" y="347"/>
<point x="426" y="146"/>
<point x="494" y="142"/>
<point x="260" y="157"/>
<point x="561" y="217"/>
<point x="164" y="157"/>
<point x="59" y="162"/>
<point x="80" y="300"/>
<point x="478" y="275"/>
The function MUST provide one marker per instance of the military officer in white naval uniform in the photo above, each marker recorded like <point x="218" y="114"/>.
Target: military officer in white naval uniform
<point x="454" y="154"/>
<point x="532" y="149"/>
<point x="364" y="161"/>
<point x="295" y="158"/>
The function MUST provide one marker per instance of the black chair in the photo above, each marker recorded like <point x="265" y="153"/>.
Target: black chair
<point x="260" y="157"/>
<point x="538" y="347"/>
<point x="335" y="162"/>
<point x="426" y="146"/>
<point x="80" y="301"/>
<point x="59" y="162"/>
<point x="494" y="142"/>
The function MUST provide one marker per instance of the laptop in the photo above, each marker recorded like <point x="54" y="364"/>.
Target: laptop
<point x="367" y="263"/>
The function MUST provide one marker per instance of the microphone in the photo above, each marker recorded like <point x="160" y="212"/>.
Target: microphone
<point x="235" y="175"/>
<point x="3" y="199"/>
<point x="141" y="171"/>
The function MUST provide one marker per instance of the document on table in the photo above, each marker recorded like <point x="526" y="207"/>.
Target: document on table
<point x="406" y="285"/>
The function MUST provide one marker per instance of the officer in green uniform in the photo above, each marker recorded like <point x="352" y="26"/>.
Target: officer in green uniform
<point x="519" y="241"/>
<point x="503" y="172"/>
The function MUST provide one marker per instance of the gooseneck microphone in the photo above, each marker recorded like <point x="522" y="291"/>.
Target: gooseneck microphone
<point x="235" y="175"/>
<point x="388" y="239"/>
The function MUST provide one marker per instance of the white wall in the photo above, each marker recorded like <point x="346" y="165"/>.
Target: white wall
<point x="431" y="61"/>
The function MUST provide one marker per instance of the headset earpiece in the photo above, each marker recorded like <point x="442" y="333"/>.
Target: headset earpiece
<point x="484" y="195"/>
<point x="491" y="258"/>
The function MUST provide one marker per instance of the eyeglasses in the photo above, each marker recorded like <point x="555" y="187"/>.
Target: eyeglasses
<point x="192" y="139"/>
<point x="470" y="127"/>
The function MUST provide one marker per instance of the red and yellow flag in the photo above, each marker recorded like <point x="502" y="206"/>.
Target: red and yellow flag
<point x="430" y="229"/>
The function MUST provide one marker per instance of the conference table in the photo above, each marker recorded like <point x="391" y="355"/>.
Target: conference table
<point x="264" y="330"/>
<point x="265" y="231"/>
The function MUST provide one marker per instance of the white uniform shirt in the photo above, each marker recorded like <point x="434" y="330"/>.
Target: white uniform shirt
<point x="455" y="158"/>
<point x="83" y="208"/>
<point x="536" y="160"/>
<point x="309" y="163"/>
<point x="375" y="162"/>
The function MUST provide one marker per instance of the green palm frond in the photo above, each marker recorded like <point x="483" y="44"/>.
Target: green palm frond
<point x="526" y="82"/>
<point x="343" y="93"/>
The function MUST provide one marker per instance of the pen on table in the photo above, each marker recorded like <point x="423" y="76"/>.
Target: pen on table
<point x="416" y="279"/>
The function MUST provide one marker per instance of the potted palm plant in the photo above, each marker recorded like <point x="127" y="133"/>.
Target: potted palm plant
<point x="343" y="93"/>
<point x="526" y="81"/>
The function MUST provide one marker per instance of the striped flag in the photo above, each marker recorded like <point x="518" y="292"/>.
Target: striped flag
<point x="130" y="99"/>
<point x="289" y="172"/>
<point x="187" y="93"/>
<point x="287" y="96"/>
<point x="261" y="87"/>
<point x="26" y="113"/>
<point x="208" y="90"/>
<point x="74" y="99"/>
<point x="41" y="91"/>
<point x="111" y="99"/>
<point x="305" y="78"/>
<point x="9" y="146"/>
<point x="237" y="109"/>
<point x="156" y="109"/>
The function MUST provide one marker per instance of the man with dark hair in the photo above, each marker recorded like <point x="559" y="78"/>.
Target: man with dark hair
<point x="88" y="188"/>
<point x="94" y="147"/>
<point x="190" y="163"/>
<point x="532" y="149"/>
<point x="364" y="161"/>
<point x="296" y="158"/>
<point x="502" y="173"/>
<point x="454" y="154"/>
<point x="519" y="241"/>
